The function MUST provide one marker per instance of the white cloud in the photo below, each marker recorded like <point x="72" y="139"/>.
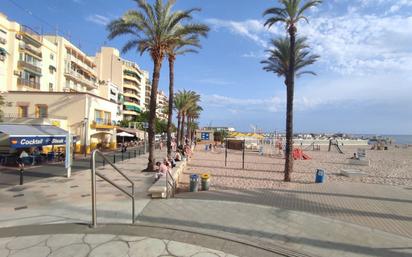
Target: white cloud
<point x="98" y="19"/>
<point x="351" y="44"/>
<point x="251" y="29"/>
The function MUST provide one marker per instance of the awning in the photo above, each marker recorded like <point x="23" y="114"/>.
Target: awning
<point x="3" y="51"/>
<point x="132" y="108"/>
<point x="24" y="136"/>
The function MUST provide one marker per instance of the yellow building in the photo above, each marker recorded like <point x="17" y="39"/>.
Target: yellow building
<point x="87" y="116"/>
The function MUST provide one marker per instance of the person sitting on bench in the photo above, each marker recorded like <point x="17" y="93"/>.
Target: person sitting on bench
<point x="178" y="156"/>
<point x="161" y="169"/>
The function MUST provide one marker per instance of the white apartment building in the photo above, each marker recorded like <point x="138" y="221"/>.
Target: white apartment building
<point x="48" y="80"/>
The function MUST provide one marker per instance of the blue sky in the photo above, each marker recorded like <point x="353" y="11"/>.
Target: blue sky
<point x="364" y="82"/>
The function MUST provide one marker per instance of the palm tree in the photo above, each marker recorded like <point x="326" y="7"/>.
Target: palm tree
<point x="192" y="113"/>
<point x="183" y="101"/>
<point x="278" y="60"/>
<point x="180" y="48"/>
<point x="192" y="99"/>
<point x="153" y="29"/>
<point x="289" y="14"/>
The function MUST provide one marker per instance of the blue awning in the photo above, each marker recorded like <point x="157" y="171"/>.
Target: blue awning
<point x="24" y="135"/>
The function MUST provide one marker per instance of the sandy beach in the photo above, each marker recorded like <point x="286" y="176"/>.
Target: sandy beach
<point x="391" y="167"/>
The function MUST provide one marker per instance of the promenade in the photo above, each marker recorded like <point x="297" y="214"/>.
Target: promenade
<point x="49" y="216"/>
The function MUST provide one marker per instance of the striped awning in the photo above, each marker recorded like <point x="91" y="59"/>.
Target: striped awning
<point x="132" y="108"/>
<point x="3" y="51"/>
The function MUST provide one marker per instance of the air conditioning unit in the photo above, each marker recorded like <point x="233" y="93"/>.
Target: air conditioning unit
<point x="2" y="58"/>
<point x="19" y="37"/>
<point x="17" y="73"/>
<point x="3" y="41"/>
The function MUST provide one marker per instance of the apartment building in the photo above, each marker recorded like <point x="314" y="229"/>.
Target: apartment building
<point x="27" y="62"/>
<point x="162" y="105"/>
<point x="109" y="68"/>
<point x="162" y="101"/>
<point x="127" y="76"/>
<point x="48" y="80"/>
<point x="134" y="90"/>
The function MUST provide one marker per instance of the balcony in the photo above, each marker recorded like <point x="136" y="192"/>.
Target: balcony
<point x="100" y="123"/>
<point x="29" y="66"/>
<point x="33" y="35"/>
<point x="131" y="95"/>
<point x="80" y="63"/>
<point x="31" y="49"/>
<point x="81" y="79"/>
<point x="131" y="86"/>
<point x="28" y="83"/>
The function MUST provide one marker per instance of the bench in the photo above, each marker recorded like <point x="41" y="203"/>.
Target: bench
<point x="159" y="188"/>
<point x="364" y="162"/>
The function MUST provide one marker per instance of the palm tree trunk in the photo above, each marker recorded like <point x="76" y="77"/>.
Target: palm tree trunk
<point x="289" y="105"/>
<point x="178" y="128"/>
<point x="189" y="121"/>
<point x="182" y="127"/>
<point x="170" y="111"/>
<point x="152" y="113"/>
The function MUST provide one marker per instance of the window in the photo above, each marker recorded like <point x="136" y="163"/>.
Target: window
<point x="51" y="87"/>
<point x="22" y="111"/>
<point x="41" y="111"/>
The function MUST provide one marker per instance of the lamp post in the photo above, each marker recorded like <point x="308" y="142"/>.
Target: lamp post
<point x="85" y="122"/>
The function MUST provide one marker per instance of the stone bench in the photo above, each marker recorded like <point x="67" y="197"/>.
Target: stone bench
<point x="362" y="162"/>
<point x="159" y="188"/>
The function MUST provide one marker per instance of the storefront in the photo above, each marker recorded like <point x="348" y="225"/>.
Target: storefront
<point x="15" y="138"/>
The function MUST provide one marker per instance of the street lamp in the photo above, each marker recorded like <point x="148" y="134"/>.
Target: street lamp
<point x="85" y="122"/>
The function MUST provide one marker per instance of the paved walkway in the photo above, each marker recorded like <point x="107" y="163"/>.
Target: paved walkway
<point x="65" y="239"/>
<point x="386" y="208"/>
<point x="105" y="245"/>
<point x="347" y="222"/>
<point x="56" y="199"/>
<point x="300" y="231"/>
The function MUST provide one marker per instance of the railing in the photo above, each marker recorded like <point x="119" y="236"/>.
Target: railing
<point x="93" y="184"/>
<point x="29" y="83"/>
<point x="31" y="49"/>
<point x="81" y="78"/>
<point x="101" y="121"/>
<point x="80" y="63"/>
<point x="30" y="32"/>
<point x="30" y="66"/>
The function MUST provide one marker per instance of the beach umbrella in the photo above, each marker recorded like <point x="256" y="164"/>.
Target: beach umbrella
<point x="124" y="134"/>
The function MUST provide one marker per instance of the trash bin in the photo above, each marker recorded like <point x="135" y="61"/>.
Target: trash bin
<point x="205" y="181"/>
<point x="320" y="176"/>
<point x="194" y="183"/>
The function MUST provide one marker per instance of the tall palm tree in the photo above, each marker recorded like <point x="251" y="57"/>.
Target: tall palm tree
<point x="183" y="101"/>
<point x="180" y="48"/>
<point x="192" y="100"/>
<point x="153" y="29"/>
<point x="193" y="113"/>
<point x="289" y="14"/>
<point x="278" y="60"/>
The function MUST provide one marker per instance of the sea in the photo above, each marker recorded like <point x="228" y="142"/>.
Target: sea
<point x="397" y="139"/>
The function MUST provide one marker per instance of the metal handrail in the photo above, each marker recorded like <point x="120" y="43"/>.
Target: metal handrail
<point x="93" y="182"/>
<point x="172" y="184"/>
